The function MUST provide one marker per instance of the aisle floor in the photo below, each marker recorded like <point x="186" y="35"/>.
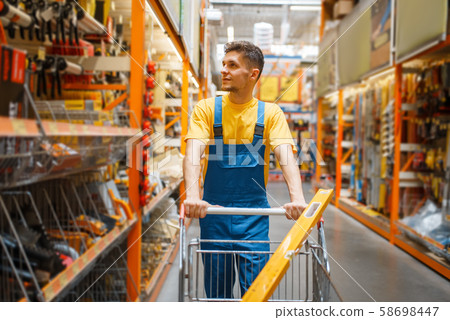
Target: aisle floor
<point x="364" y="266"/>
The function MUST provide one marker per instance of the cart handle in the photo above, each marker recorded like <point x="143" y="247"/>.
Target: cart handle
<point x="247" y="211"/>
<point x="240" y="211"/>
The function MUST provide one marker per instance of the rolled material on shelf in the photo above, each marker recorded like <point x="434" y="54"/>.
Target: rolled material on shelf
<point x="69" y="67"/>
<point x="15" y="15"/>
<point x="88" y="24"/>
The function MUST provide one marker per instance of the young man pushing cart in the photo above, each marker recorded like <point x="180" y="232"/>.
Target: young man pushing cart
<point x="236" y="133"/>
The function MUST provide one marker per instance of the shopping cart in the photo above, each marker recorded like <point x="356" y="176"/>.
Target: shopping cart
<point x="298" y="268"/>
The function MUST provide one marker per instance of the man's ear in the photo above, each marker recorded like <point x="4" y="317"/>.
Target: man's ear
<point x="255" y="73"/>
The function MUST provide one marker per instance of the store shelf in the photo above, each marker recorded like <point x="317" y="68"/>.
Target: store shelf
<point x="167" y="191"/>
<point x="347" y="144"/>
<point x="117" y="64"/>
<point x="80" y="267"/>
<point x="10" y="127"/>
<point x="367" y="216"/>
<point x="153" y="286"/>
<point x="81" y="130"/>
<point x="173" y="102"/>
<point x="423" y="254"/>
<point x="410" y="147"/>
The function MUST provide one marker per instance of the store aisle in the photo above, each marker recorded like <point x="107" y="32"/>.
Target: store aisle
<point x="364" y="266"/>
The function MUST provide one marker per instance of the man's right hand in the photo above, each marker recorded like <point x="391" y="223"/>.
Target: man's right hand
<point x="195" y="208"/>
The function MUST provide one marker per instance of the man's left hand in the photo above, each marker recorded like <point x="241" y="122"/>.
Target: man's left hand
<point x="294" y="209"/>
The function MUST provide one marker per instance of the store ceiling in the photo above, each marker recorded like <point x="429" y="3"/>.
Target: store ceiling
<point x="155" y="38"/>
<point x="242" y="15"/>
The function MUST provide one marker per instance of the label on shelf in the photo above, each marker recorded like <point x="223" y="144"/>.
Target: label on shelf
<point x="19" y="127"/>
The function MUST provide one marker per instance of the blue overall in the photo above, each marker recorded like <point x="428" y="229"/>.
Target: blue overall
<point x="234" y="178"/>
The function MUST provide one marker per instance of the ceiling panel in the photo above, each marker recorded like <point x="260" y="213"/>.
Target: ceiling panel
<point x="304" y="25"/>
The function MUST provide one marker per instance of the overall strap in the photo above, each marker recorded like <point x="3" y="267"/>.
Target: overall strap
<point x="259" y="127"/>
<point x="217" y="127"/>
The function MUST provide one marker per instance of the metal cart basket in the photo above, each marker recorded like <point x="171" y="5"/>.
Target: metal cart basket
<point x="306" y="278"/>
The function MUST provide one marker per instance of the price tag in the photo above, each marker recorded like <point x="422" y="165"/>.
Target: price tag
<point x="56" y="285"/>
<point x="53" y="128"/>
<point x="76" y="267"/>
<point x="49" y="293"/>
<point x="72" y="129"/>
<point x="19" y="127"/>
<point x="85" y="129"/>
<point x="85" y="260"/>
<point x="41" y="53"/>
<point x="47" y="14"/>
<point x="63" y="279"/>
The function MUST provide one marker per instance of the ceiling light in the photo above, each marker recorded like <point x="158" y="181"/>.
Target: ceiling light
<point x="149" y="9"/>
<point x="305" y="8"/>
<point x="230" y="33"/>
<point x="195" y="82"/>
<point x="175" y="49"/>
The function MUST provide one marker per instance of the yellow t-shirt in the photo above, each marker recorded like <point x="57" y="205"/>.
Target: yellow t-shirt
<point x="238" y="122"/>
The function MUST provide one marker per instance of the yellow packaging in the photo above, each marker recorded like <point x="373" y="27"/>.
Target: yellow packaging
<point x="88" y="5"/>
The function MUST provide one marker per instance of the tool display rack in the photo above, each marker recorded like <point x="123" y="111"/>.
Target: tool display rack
<point x="380" y="157"/>
<point x="60" y="167"/>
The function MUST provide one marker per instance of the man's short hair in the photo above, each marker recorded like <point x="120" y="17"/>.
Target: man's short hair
<point x="253" y="54"/>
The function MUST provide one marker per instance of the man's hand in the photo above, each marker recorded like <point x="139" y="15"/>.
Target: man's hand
<point x="195" y="208"/>
<point x="294" y="209"/>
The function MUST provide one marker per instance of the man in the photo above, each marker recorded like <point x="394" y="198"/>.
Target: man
<point x="235" y="132"/>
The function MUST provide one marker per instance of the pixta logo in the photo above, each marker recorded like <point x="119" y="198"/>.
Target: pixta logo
<point x="310" y="153"/>
<point x="145" y="142"/>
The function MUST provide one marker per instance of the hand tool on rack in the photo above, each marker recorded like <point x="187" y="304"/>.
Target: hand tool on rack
<point x="60" y="35"/>
<point x="10" y="12"/>
<point x="71" y="17"/>
<point x="88" y="24"/>
<point x="44" y="15"/>
<point x="41" y="85"/>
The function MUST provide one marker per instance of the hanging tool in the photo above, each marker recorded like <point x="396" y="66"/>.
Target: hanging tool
<point x="44" y="15"/>
<point x="41" y="80"/>
<point x="32" y="8"/>
<point x="89" y="25"/>
<point x="71" y="17"/>
<point x="13" y="15"/>
<point x="58" y="65"/>
<point x="58" y="15"/>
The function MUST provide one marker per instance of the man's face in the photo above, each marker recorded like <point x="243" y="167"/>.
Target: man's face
<point x="236" y="74"/>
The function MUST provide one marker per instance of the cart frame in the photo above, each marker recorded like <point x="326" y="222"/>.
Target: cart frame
<point x="313" y="283"/>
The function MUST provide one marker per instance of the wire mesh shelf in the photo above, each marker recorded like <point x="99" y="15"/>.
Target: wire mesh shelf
<point x="107" y="281"/>
<point x="87" y="141"/>
<point x="45" y="228"/>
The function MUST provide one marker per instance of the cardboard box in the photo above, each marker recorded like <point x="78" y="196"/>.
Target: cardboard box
<point x="342" y="8"/>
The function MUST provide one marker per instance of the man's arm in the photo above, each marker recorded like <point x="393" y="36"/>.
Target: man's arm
<point x="291" y="174"/>
<point x="194" y="206"/>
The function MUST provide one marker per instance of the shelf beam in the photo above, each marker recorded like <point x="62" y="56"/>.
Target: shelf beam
<point x="348" y="207"/>
<point x="116" y="102"/>
<point x="82" y="86"/>
<point x="136" y="94"/>
<point x="395" y="187"/>
<point x="319" y="137"/>
<point x="412" y="249"/>
<point x="340" y="134"/>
